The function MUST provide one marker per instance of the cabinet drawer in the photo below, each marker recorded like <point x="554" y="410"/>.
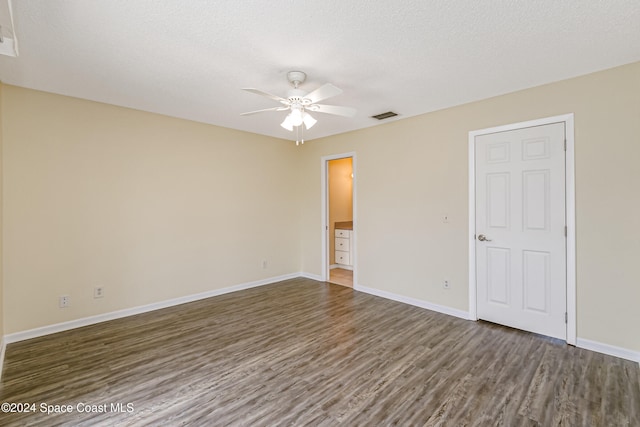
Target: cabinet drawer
<point x="342" y="258"/>
<point x="342" y="244"/>
<point x="342" y="233"/>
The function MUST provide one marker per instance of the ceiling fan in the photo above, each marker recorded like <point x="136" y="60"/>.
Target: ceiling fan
<point x="299" y="103"/>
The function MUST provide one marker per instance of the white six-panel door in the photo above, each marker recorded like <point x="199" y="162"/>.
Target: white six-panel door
<point x="520" y="229"/>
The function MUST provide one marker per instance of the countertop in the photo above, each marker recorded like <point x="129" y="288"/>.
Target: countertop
<point x="344" y="225"/>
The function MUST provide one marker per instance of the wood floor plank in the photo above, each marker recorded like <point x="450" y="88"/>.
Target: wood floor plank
<point x="301" y="352"/>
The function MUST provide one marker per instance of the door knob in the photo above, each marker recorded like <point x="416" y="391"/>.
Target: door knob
<point x="483" y="238"/>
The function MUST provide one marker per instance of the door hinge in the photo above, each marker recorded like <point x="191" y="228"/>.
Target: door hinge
<point x="566" y="317"/>
<point x="565" y="144"/>
<point x="565" y="231"/>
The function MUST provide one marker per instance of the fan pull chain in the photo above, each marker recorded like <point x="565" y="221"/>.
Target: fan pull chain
<point x="299" y="133"/>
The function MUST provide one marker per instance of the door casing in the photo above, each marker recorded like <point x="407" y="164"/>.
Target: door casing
<point x="324" y="167"/>
<point x="567" y="119"/>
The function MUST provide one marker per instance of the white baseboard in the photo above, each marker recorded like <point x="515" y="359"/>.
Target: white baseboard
<point x="91" y="320"/>
<point x="611" y="350"/>
<point x="311" y="276"/>
<point x="413" y="301"/>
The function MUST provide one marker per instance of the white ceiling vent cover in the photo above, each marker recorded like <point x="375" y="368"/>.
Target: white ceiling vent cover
<point x="383" y="116"/>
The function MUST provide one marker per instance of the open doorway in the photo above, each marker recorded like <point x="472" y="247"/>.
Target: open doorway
<point x="339" y="225"/>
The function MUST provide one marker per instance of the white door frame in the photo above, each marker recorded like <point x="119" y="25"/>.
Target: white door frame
<point x="324" y="222"/>
<point x="567" y="119"/>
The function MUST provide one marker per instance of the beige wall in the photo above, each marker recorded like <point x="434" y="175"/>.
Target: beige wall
<point x="149" y="207"/>
<point x="340" y="197"/>
<point x="413" y="171"/>
<point x="154" y="208"/>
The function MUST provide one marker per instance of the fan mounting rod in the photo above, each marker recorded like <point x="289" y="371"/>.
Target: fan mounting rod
<point x="296" y="78"/>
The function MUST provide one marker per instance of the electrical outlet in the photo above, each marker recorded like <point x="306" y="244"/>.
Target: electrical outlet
<point x="98" y="292"/>
<point x="64" y="301"/>
<point x="264" y="264"/>
<point x="446" y="284"/>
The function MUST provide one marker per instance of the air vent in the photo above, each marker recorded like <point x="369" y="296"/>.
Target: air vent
<point x="383" y="116"/>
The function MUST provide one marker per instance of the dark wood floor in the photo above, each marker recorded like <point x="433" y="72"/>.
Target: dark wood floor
<point x="302" y="352"/>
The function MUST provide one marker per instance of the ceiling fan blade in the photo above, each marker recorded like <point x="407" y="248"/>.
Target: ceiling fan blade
<point x="266" y="109"/>
<point x="334" y="109"/>
<point x="323" y="92"/>
<point x="268" y="95"/>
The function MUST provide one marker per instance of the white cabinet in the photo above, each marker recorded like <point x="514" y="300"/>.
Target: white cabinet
<point x="343" y="247"/>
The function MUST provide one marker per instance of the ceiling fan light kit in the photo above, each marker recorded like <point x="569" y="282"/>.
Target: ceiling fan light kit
<point x="308" y="120"/>
<point x="298" y="103"/>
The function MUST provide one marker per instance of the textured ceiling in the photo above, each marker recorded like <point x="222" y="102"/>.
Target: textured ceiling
<point x="190" y="59"/>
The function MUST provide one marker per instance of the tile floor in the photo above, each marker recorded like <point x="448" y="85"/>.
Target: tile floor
<point x="341" y="276"/>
